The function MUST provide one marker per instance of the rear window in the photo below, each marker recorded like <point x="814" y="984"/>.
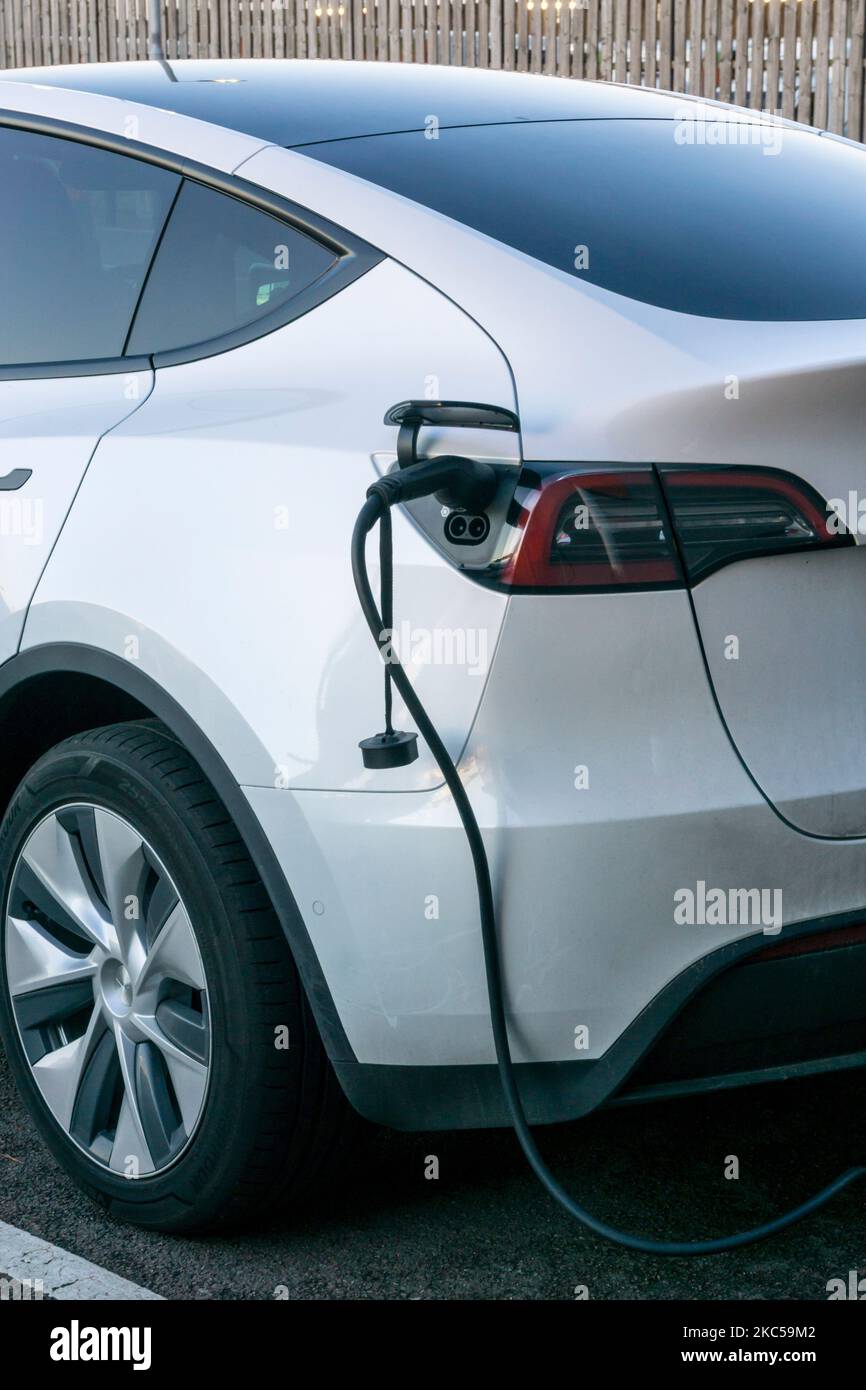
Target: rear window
<point x="221" y="266"/>
<point x="768" y="223"/>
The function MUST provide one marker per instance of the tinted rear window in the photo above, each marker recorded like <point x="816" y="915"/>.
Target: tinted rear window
<point x="769" y="223"/>
<point x="221" y="265"/>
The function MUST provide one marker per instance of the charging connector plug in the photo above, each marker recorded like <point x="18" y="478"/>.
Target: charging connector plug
<point x="456" y="482"/>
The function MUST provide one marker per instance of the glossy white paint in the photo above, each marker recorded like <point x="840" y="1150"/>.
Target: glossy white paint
<point x="598" y="376"/>
<point x="233" y="493"/>
<point x="790" y="687"/>
<point x="585" y="877"/>
<point x="50" y="428"/>
<point x="602" y="377"/>
<point x="214" y="146"/>
<point x="209" y="542"/>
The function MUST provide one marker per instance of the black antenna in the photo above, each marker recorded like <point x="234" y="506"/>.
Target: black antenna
<point x="154" y="31"/>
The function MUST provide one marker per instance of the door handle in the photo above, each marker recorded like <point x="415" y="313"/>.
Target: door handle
<point x="16" y="479"/>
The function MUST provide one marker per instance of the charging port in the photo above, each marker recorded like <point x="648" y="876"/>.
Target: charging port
<point x="461" y="529"/>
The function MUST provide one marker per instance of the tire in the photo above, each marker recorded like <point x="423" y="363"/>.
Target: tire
<point x="147" y="1039"/>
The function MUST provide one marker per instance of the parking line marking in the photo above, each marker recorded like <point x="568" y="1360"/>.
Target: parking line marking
<point x="38" y="1265"/>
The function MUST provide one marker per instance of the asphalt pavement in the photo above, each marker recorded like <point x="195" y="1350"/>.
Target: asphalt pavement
<point x="485" y="1230"/>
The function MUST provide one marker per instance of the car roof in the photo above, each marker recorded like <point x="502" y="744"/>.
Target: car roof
<point x="294" y="102"/>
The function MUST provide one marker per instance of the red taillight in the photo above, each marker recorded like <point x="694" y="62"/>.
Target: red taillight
<point x="588" y="529"/>
<point x="830" y="940"/>
<point x="723" y="514"/>
<point x="591" y="530"/>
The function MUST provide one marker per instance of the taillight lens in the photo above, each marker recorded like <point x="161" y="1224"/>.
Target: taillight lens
<point x="725" y="514"/>
<point x="590" y="530"/>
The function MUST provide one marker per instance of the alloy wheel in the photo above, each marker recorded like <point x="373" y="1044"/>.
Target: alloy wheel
<point x="108" y="989"/>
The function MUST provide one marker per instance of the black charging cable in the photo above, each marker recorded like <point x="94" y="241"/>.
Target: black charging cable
<point x="417" y="481"/>
<point x="386" y="590"/>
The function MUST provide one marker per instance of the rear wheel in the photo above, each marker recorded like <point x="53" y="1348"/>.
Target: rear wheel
<point x="149" y="1005"/>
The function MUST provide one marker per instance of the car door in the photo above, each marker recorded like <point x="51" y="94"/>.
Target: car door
<point x="77" y="234"/>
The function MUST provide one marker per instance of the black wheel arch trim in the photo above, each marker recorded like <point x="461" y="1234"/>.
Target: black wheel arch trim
<point x="80" y="659"/>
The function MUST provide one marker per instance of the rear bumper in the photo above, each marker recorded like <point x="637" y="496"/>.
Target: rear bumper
<point x="733" y="1019"/>
<point x="587" y="872"/>
<point x="769" y="1017"/>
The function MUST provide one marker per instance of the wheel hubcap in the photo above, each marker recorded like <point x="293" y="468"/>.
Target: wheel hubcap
<point x="117" y="989"/>
<point x="108" y="989"/>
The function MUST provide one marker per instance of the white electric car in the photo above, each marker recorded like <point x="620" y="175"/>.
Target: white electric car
<point x="223" y="285"/>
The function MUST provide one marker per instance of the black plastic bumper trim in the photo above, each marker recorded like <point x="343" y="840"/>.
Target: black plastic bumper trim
<point x="470" y="1097"/>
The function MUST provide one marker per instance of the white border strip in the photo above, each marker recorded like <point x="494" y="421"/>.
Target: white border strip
<point x="46" y="1271"/>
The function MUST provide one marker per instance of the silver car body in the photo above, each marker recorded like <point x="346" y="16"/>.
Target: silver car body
<point x="160" y="540"/>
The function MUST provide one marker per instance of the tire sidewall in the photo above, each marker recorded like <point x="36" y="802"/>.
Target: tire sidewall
<point x="220" y="1144"/>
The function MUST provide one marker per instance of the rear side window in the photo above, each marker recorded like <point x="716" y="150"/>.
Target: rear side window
<point x="221" y="266"/>
<point x="78" y="226"/>
<point x="731" y="221"/>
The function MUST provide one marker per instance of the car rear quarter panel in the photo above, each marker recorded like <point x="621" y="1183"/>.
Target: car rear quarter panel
<point x="210" y="541"/>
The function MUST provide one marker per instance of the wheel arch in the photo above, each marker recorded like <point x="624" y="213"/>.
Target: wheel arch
<point x="52" y="691"/>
